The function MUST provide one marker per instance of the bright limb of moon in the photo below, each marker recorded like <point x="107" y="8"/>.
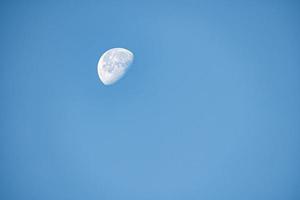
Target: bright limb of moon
<point x="113" y="64"/>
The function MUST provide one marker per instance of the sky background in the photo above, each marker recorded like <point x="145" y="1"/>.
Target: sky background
<point x="210" y="108"/>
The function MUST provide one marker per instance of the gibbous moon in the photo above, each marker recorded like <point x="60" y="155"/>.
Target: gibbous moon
<point x="113" y="64"/>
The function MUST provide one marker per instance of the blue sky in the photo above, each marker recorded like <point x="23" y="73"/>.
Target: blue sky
<point x="210" y="108"/>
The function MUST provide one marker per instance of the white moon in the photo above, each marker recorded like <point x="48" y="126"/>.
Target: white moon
<point x="113" y="64"/>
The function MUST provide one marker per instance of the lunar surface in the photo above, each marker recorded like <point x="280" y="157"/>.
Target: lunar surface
<point x="113" y="64"/>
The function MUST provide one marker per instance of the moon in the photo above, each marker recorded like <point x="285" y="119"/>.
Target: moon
<point x="113" y="64"/>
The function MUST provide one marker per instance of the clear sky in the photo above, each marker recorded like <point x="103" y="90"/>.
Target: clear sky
<point x="210" y="108"/>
